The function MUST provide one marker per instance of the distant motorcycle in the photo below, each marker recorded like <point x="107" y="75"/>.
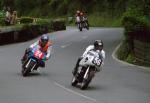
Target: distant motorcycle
<point x="35" y="57"/>
<point x="82" y="23"/>
<point x="86" y="70"/>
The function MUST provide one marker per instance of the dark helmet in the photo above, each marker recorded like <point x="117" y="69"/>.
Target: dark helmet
<point x="44" y="39"/>
<point x="98" y="44"/>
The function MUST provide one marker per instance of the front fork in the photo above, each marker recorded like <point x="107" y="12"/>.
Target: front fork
<point x="88" y="73"/>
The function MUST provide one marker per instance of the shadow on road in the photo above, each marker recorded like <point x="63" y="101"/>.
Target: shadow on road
<point x="92" y="87"/>
<point x="36" y="74"/>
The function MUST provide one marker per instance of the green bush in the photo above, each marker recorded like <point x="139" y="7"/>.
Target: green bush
<point x="58" y="24"/>
<point x="26" y="20"/>
<point x="2" y="14"/>
<point x="2" y="22"/>
<point x="134" y="20"/>
<point x="136" y="25"/>
<point x="130" y="58"/>
<point x="44" y="25"/>
<point x="123" y="51"/>
<point x="49" y="25"/>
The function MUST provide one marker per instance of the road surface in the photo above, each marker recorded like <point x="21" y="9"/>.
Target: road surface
<point x="117" y="83"/>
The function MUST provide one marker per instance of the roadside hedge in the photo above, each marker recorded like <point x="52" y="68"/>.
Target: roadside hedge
<point x="134" y="20"/>
<point x="26" y="20"/>
<point x="24" y="32"/>
<point x="137" y="27"/>
<point x="58" y="24"/>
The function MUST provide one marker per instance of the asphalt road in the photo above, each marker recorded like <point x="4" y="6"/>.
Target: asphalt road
<point x="117" y="83"/>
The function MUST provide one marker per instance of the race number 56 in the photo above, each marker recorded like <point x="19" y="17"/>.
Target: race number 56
<point x="97" y="61"/>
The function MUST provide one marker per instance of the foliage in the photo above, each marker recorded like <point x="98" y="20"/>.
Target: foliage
<point x="2" y="17"/>
<point x="2" y="23"/>
<point x="2" y="14"/>
<point x="26" y="20"/>
<point x="123" y="51"/>
<point x="137" y="25"/>
<point x="130" y="58"/>
<point x="58" y="24"/>
<point x="64" y="7"/>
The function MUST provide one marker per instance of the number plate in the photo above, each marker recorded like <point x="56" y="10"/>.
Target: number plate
<point x="38" y="54"/>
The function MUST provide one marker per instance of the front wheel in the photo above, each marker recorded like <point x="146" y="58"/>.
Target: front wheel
<point x="87" y="28"/>
<point x="86" y="82"/>
<point x="25" y="72"/>
<point x="74" y="81"/>
<point x="26" y="68"/>
<point x="80" y="26"/>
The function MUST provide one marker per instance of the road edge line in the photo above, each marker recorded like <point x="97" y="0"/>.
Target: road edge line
<point x="123" y="62"/>
<point x="76" y="93"/>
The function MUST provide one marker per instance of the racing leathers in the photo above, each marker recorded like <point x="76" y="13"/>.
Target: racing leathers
<point x="46" y="49"/>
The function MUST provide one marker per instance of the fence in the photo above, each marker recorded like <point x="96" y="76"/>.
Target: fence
<point x="142" y="51"/>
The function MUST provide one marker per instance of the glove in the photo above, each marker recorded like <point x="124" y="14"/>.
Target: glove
<point x="28" y="50"/>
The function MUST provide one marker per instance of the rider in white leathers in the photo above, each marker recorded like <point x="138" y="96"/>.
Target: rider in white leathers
<point x="97" y="47"/>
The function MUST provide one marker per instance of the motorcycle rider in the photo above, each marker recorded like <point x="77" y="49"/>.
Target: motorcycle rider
<point x="44" y="44"/>
<point x="77" y="16"/>
<point x="97" y="47"/>
<point x="85" y="18"/>
<point x="77" y="13"/>
<point x="82" y="16"/>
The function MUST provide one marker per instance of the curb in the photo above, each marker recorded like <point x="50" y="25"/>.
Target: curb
<point x="123" y="62"/>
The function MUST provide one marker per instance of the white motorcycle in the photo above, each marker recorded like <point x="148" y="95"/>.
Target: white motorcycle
<point x="87" y="69"/>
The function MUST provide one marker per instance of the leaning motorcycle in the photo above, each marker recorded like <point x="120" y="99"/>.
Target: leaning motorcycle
<point x="34" y="58"/>
<point x="87" y="69"/>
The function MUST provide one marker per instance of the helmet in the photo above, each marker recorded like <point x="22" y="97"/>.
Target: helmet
<point x="81" y="13"/>
<point x="98" y="44"/>
<point x="77" y="11"/>
<point x="44" y="39"/>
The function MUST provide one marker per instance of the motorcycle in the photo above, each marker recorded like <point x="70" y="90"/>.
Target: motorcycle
<point x="34" y="58"/>
<point x="87" y="69"/>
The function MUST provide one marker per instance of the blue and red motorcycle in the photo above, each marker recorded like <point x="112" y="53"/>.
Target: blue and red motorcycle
<point x="35" y="57"/>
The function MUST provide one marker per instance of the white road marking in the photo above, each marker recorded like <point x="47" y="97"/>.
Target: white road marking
<point x="123" y="62"/>
<point x="64" y="46"/>
<point x="76" y="93"/>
